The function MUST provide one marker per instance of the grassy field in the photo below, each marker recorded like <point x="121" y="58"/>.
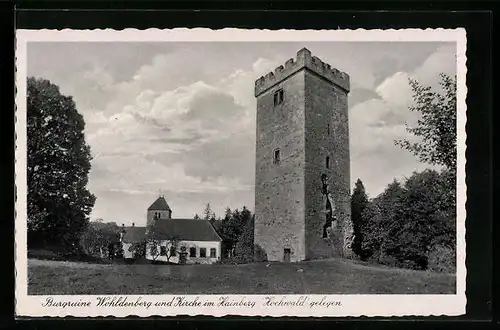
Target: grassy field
<point x="311" y="277"/>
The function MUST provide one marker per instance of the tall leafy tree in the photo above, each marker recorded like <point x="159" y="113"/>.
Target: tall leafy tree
<point x="406" y="224"/>
<point x="359" y="202"/>
<point x="244" y="247"/>
<point x="436" y="128"/>
<point x="58" y="163"/>
<point x="98" y="235"/>
<point x="427" y="217"/>
<point x="232" y="228"/>
<point x="377" y="217"/>
<point x="225" y="231"/>
<point x="436" y="145"/>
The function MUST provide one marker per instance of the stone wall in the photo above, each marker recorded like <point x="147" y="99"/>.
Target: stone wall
<point x="279" y="188"/>
<point x="151" y="215"/>
<point x="326" y="135"/>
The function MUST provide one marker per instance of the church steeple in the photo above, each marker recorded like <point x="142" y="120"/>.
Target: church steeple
<point x="159" y="210"/>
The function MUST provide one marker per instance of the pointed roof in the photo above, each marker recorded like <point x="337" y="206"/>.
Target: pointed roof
<point x="159" y="205"/>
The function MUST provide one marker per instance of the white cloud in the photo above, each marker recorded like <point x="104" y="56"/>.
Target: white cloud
<point x="441" y="61"/>
<point x="182" y="140"/>
<point x="396" y="90"/>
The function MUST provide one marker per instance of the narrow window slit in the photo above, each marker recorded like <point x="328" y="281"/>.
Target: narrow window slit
<point x="276" y="156"/>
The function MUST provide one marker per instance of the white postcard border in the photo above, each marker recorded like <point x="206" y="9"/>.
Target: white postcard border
<point x="338" y="305"/>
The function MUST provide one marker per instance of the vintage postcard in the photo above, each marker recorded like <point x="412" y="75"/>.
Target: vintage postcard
<point x="240" y="172"/>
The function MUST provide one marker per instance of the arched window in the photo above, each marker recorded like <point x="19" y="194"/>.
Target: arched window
<point x="327" y="161"/>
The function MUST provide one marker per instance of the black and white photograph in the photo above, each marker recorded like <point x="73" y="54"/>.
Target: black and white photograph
<point x="241" y="172"/>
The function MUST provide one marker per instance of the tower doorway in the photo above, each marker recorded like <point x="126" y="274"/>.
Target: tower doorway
<point x="286" y="255"/>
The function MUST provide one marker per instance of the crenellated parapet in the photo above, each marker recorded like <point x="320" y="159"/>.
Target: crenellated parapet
<point x="304" y="59"/>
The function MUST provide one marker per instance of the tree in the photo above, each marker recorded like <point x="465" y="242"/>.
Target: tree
<point x="409" y="224"/>
<point x="58" y="163"/>
<point x="380" y="213"/>
<point x="159" y="246"/>
<point x="97" y="237"/>
<point x="232" y="231"/>
<point x="359" y="202"/>
<point x="430" y="218"/>
<point x="437" y="146"/>
<point x="244" y="247"/>
<point x="437" y="126"/>
<point x="196" y="216"/>
<point x="208" y="213"/>
<point x="225" y="231"/>
<point x="138" y="249"/>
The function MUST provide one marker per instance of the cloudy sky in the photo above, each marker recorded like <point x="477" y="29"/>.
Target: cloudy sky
<point x="180" y="117"/>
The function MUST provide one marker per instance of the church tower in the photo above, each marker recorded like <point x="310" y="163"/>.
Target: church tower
<point x="158" y="210"/>
<point x="302" y="177"/>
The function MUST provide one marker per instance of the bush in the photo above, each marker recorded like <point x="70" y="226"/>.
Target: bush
<point x="260" y="254"/>
<point x="442" y="259"/>
<point x="384" y="259"/>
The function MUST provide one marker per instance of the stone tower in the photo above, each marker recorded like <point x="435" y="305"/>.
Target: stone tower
<point x="302" y="177"/>
<point x="158" y="210"/>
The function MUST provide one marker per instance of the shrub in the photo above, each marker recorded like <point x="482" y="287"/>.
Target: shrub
<point x="384" y="259"/>
<point x="260" y="254"/>
<point x="442" y="259"/>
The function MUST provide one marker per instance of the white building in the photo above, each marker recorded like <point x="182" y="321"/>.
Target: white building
<point x="185" y="241"/>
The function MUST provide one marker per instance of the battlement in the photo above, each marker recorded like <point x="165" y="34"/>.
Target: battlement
<point x="304" y="59"/>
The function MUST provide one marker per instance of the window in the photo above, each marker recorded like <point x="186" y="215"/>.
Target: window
<point x="327" y="161"/>
<point x="192" y="252"/>
<point x="276" y="158"/>
<point x="163" y="250"/>
<point x="203" y="253"/>
<point x="213" y="253"/>
<point x="278" y="97"/>
<point x="172" y="251"/>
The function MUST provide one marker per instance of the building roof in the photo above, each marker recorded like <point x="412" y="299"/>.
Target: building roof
<point x="184" y="230"/>
<point x="159" y="205"/>
<point x="134" y="234"/>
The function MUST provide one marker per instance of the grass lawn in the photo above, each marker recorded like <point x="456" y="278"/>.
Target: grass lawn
<point x="334" y="276"/>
